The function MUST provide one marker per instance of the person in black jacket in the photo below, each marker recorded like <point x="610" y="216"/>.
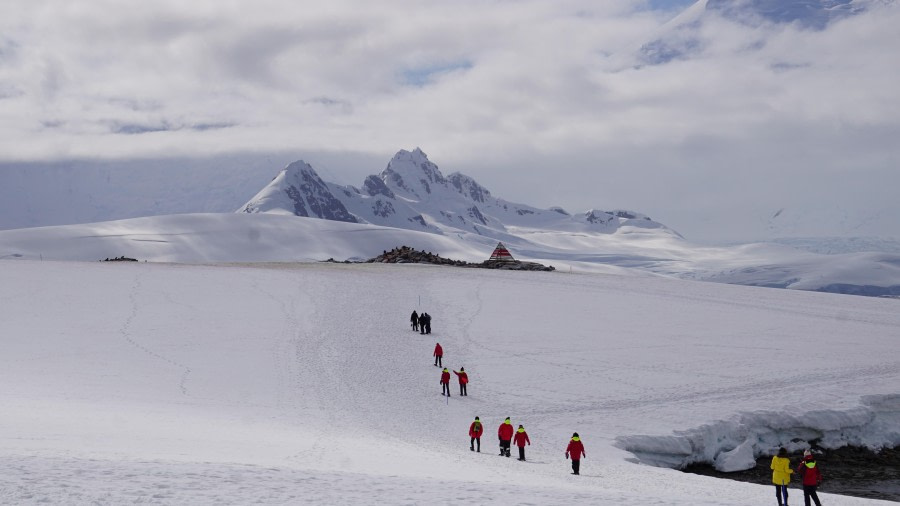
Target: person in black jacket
<point x="427" y="323"/>
<point x="414" y="321"/>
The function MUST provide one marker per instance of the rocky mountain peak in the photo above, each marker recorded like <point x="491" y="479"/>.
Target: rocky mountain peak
<point x="411" y="174"/>
<point x="468" y="187"/>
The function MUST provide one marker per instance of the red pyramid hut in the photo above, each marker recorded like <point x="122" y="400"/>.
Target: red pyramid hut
<point x="501" y="254"/>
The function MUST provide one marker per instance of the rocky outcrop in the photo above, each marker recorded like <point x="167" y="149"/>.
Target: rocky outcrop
<point x="407" y="255"/>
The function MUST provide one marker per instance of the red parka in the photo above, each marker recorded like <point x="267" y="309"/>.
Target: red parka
<point x="505" y="431"/>
<point x="575" y="450"/>
<point x="438" y="351"/>
<point x="476" y="429"/>
<point x="809" y="471"/>
<point x="521" y="438"/>
<point x="463" y="377"/>
<point x="445" y="377"/>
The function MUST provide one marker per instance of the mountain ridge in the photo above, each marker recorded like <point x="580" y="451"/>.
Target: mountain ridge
<point x="412" y="193"/>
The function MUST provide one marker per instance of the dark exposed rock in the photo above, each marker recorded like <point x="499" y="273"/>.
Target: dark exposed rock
<point x="407" y="255"/>
<point x="852" y="471"/>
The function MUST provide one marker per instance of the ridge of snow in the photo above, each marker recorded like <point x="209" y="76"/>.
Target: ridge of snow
<point x="734" y="444"/>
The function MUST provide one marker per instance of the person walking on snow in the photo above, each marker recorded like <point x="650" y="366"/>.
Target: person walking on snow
<point x="505" y="434"/>
<point x="438" y="355"/>
<point x="422" y="323"/>
<point x="781" y="475"/>
<point x="575" y="450"/>
<point x="520" y="439"/>
<point x="414" y="321"/>
<point x="445" y="382"/>
<point x="475" y="432"/>
<point x="427" y="328"/>
<point x="463" y="381"/>
<point x="811" y="477"/>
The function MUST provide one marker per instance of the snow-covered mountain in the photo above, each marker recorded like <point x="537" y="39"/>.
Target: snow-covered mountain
<point x="412" y="193"/>
<point x="683" y="36"/>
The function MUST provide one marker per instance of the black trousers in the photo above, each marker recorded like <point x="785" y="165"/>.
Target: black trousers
<point x="475" y="440"/>
<point x="781" y="491"/>
<point x="809" y="491"/>
<point x="521" y="453"/>
<point x="576" y="464"/>
<point x="504" y="447"/>
<point x="445" y="389"/>
<point x="438" y="360"/>
<point x="462" y="389"/>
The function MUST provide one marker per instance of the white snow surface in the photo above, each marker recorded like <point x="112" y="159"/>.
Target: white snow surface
<point x="302" y="383"/>
<point x="274" y="237"/>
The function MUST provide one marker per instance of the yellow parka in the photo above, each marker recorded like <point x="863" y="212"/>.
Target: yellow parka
<point x="781" y="470"/>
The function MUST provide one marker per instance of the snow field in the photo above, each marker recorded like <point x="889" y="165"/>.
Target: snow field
<point x="303" y="383"/>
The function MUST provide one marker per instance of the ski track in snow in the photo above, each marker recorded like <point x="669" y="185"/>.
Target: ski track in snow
<point x="135" y="341"/>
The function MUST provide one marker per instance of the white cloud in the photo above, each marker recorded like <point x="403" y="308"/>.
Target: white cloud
<point x="485" y="88"/>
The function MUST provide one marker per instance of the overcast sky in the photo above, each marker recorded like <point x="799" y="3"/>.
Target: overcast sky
<point x="543" y="102"/>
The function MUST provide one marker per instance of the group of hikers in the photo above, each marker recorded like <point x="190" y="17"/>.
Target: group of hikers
<point x="420" y="322"/>
<point x="781" y="465"/>
<point x="505" y="433"/>
<point x="810" y="475"/>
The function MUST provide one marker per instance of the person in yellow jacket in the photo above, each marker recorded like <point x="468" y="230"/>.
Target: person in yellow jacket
<point x="781" y="475"/>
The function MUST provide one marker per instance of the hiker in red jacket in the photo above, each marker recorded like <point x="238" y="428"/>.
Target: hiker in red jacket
<point x="445" y="382"/>
<point x="475" y="432"/>
<point x="463" y="380"/>
<point x="811" y="477"/>
<point x="576" y="451"/>
<point x="505" y="434"/>
<point x="520" y="439"/>
<point x="438" y="355"/>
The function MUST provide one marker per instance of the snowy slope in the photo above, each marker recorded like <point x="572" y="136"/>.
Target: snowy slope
<point x="685" y="36"/>
<point x="302" y="383"/>
<point x="272" y="237"/>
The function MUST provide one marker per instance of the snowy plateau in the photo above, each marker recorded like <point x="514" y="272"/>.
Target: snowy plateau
<point x="302" y="383"/>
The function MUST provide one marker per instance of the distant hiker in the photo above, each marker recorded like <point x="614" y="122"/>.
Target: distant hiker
<point x="575" y="450"/>
<point x="445" y="382"/>
<point x="520" y="439"/>
<point x="475" y="432"/>
<point x="781" y="475"/>
<point x="463" y="380"/>
<point x="414" y="320"/>
<point x="427" y="323"/>
<point x="438" y="355"/>
<point x="422" y="323"/>
<point x="811" y="477"/>
<point x="505" y="434"/>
